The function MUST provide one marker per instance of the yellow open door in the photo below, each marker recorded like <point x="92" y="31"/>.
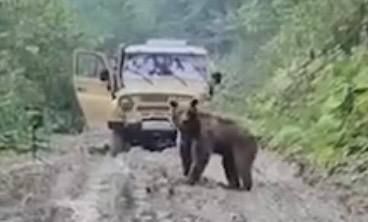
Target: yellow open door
<point x="93" y="93"/>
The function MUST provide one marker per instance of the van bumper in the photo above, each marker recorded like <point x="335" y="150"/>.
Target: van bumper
<point x="154" y="135"/>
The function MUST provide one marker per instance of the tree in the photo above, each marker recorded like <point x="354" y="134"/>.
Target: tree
<point x="37" y="40"/>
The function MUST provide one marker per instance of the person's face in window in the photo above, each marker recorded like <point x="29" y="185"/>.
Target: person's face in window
<point x="160" y="60"/>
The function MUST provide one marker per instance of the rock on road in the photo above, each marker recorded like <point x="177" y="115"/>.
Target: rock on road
<point x="143" y="186"/>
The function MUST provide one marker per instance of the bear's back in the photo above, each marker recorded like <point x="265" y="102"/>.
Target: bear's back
<point x="224" y="130"/>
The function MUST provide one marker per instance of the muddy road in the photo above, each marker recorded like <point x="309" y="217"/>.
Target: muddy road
<point x="73" y="185"/>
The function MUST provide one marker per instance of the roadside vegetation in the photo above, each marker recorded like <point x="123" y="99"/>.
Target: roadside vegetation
<point x="37" y="39"/>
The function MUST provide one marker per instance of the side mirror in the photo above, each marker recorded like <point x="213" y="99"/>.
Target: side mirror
<point x="211" y="91"/>
<point x="104" y="75"/>
<point x="217" y="78"/>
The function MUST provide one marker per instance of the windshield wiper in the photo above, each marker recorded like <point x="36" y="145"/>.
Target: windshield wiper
<point x="180" y="79"/>
<point x="143" y="76"/>
<point x="171" y="73"/>
<point x="200" y="73"/>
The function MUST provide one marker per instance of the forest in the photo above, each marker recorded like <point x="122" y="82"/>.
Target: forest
<point x="295" y="71"/>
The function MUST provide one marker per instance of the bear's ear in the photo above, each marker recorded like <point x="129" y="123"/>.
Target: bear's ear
<point x="194" y="103"/>
<point x="173" y="104"/>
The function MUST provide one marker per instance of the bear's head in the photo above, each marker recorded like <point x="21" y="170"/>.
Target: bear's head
<point x="185" y="116"/>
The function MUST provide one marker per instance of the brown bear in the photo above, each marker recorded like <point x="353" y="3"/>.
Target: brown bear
<point x="203" y="133"/>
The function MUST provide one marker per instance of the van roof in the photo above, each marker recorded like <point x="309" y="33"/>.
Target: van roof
<point x="166" y="46"/>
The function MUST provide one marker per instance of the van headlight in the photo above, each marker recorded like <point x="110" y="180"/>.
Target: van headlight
<point x="126" y="103"/>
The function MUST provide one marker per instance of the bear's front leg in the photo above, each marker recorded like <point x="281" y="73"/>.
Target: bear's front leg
<point x="185" y="153"/>
<point x="201" y="155"/>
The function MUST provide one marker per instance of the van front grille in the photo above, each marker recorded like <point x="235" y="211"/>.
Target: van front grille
<point x="153" y="108"/>
<point x="154" y="98"/>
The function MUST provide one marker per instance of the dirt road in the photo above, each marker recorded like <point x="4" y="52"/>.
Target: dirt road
<point x="142" y="186"/>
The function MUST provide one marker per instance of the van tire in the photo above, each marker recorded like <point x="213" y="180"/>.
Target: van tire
<point x="118" y="144"/>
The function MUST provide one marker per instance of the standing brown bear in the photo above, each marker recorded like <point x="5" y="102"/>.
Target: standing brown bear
<point x="202" y="134"/>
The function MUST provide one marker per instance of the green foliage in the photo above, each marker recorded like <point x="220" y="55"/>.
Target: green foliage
<point x="203" y="21"/>
<point x="305" y="86"/>
<point x="317" y="112"/>
<point x="37" y="40"/>
<point x="326" y="118"/>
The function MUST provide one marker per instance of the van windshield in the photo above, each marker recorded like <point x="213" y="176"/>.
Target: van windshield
<point x="184" y="66"/>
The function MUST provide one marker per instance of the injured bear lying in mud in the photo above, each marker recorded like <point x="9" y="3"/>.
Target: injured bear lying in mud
<point x="202" y="134"/>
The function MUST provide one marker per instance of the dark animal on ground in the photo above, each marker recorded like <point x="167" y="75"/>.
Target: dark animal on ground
<point x="203" y="133"/>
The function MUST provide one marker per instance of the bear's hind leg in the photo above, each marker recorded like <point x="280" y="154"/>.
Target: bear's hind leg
<point x="244" y="164"/>
<point x="247" y="178"/>
<point x="230" y="170"/>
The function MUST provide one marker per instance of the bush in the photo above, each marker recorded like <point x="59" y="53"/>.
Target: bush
<point x="37" y="39"/>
